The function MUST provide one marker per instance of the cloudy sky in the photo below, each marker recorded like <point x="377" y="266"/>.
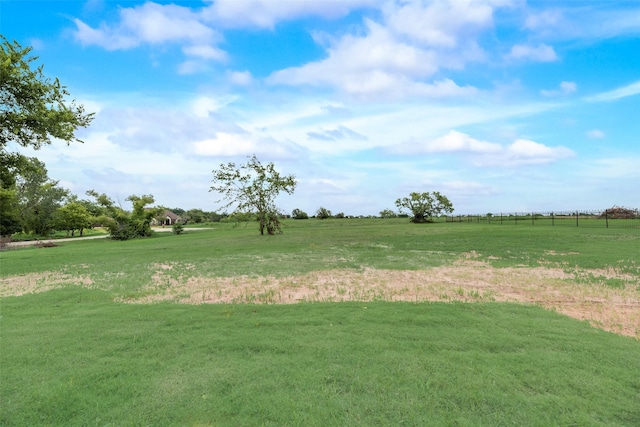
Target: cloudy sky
<point x="502" y="105"/>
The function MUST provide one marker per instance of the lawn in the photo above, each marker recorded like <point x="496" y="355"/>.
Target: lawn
<point x="394" y="323"/>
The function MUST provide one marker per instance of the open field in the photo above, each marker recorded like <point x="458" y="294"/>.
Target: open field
<point x="394" y="323"/>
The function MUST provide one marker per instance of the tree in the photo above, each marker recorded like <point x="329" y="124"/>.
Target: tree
<point x="33" y="111"/>
<point x="38" y="198"/>
<point x="34" y="108"/>
<point x="196" y="216"/>
<point x="387" y="213"/>
<point x="299" y="214"/>
<point x="323" y="213"/>
<point x="123" y="225"/>
<point x="424" y="206"/>
<point x="253" y="187"/>
<point x="71" y="217"/>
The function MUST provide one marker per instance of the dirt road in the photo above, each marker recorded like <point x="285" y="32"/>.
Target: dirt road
<point x="75" y="239"/>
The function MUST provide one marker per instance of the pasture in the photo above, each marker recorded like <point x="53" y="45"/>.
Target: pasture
<point x="335" y="322"/>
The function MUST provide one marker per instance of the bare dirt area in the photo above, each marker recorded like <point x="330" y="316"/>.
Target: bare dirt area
<point x="613" y="309"/>
<point x="39" y="282"/>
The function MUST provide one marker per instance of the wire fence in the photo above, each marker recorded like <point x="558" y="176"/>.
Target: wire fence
<point x="605" y="218"/>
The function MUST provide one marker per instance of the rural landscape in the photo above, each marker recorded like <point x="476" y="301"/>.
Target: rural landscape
<point x="377" y="242"/>
<point x="333" y="322"/>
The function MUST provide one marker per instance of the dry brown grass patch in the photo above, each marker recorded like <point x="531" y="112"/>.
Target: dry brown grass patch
<point x="612" y="309"/>
<point x="39" y="282"/>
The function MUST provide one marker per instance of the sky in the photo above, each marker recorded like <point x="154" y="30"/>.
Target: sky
<point x="501" y="105"/>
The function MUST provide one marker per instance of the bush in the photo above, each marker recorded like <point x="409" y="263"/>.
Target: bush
<point x="299" y="214"/>
<point x="177" y="228"/>
<point x="323" y="213"/>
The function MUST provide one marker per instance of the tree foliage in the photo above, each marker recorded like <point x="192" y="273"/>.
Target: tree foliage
<point x="387" y="213"/>
<point x="424" y="206"/>
<point x="34" y="107"/>
<point x="123" y="225"/>
<point x="33" y="110"/>
<point x="38" y="198"/>
<point x="299" y="214"/>
<point x="323" y="213"/>
<point x="253" y="187"/>
<point x="71" y="217"/>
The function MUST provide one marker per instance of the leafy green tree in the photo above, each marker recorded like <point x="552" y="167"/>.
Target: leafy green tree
<point x="388" y="213"/>
<point x="323" y="213"/>
<point x="38" y="198"/>
<point x="33" y="110"/>
<point x="123" y="225"/>
<point x="195" y="216"/>
<point x="253" y="187"/>
<point x="299" y="214"/>
<point x="9" y="215"/>
<point x="424" y="206"/>
<point x="71" y="217"/>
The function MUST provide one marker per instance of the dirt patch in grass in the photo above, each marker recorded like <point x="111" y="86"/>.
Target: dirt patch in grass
<point x="39" y="282"/>
<point x="616" y="309"/>
<point x="613" y="308"/>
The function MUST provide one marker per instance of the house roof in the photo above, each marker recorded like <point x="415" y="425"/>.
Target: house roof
<point x="171" y="215"/>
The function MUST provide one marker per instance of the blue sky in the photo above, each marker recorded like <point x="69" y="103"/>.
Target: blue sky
<point x="501" y="105"/>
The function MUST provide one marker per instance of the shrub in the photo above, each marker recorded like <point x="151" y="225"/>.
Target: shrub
<point x="178" y="228"/>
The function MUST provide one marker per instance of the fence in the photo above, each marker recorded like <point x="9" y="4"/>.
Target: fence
<point x="606" y="218"/>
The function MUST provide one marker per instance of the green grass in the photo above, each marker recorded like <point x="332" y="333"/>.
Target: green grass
<point x="22" y="237"/>
<point x="73" y="356"/>
<point x="314" y="245"/>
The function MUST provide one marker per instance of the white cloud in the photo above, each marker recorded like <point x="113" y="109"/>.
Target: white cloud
<point x="192" y="67"/>
<point x="565" y="88"/>
<point x="225" y="144"/>
<point x="603" y="21"/>
<point x="157" y="24"/>
<point x="568" y="87"/>
<point x="240" y="78"/>
<point x="539" y="21"/>
<point x="374" y="65"/>
<point x="484" y="153"/>
<point x="267" y="13"/>
<point x="205" y="52"/>
<point x="439" y="23"/>
<point x="202" y="106"/>
<point x="595" y="134"/>
<point x="540" y="53"/>
<point x="243" y="144"/>
<point x="612" y="95"/>
<point x="526" y="152"/>
<point x="455" y="141"/>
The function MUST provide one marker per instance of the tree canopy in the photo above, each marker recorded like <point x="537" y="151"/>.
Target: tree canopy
<point x="34" y="107"/>
<point x="253" y="187"/>
<point x="123" y="225"/>
<point x="424" y="206"/>
<point x="33" y="110"/>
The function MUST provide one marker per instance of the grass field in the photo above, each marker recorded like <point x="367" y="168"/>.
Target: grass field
<point x="395" y="324"/>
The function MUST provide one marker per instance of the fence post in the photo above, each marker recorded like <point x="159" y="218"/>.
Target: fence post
<point x="516" y="215"/>
<point x="533" y="217"/>
<point x="577" y="215"/>
<point x="606" y="218"/>
<point x="553" y="220"/>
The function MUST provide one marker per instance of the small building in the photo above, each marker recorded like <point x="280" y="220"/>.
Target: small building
<point x="168" y="218"/>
